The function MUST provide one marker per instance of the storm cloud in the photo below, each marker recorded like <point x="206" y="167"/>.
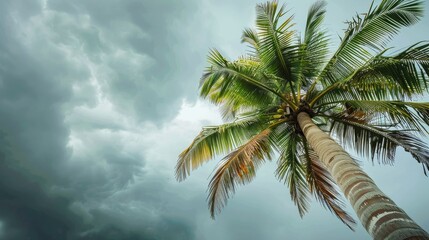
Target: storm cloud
<point x="97" y="99"/>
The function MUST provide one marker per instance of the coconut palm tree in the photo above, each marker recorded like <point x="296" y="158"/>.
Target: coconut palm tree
<point x="290" y="95"/>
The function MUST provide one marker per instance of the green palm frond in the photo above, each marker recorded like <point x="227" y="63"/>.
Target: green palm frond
<point x="238" y="167"/>
<point x="238" y="98"/>
<point x="276" y="39"/>
<point x="291" y="171"/>
<point x="323" y="186"/>
<point x="370" y="33"/>
<point x="416" y="147"/>
<point x="219" y="79"/>
<point x="235" y="95"/>
<point x="315" y="17"/>
<point x="213" y="141"/>
<point x="384" y="78"/>
<point x="315" y="40"/>
<point x="407" y="115"/>
<point x="251" y="37"/>
<point x="380" y="24"/>
<point x="416" y="53"/>
<point x="313" y="50"/>
<point x="377" y="142"/>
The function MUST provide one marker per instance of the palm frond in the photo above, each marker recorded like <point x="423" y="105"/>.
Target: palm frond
<point x="313" y="50"/>
<point x="291" y="171"/>
<point x="238" y="167"/>
<point x="316" y="52"/>
<point x="276" y="38"/>
<point x="407" y="115"/>
<point x="213" y="141"/>
<point x="315" y="39"/>
<point x="315" y="17"/>
<point x="224" y="79"/>
<point x="380" y="24"/>
<point x="370" y="33"/>
<point x="418" y="55"/>
<point x="234" y="95"/>
<point x="251" y="37"/>
<point x="377" y="142"/>
<point x="323" y="186"/>
<point x="415" y="146"/>
<point x="384" y="78"/>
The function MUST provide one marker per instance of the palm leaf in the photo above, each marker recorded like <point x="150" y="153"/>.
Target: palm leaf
<point x="213" y="141"/>
<point x="276" y="39"/>
<point x="251" y="37"/>
<point x="384" y="77"/>
<point x="291" y="171"/>
<point x="235" y="95"/>
<point x="377" y="142"/>
<point x="238" y="167"/>
<point x="408" y="115"/>
<point x="313" y="50"/>
<point x="315" y="40"/>
<point x="219" y="79"/>
<point x="370" y="32"/>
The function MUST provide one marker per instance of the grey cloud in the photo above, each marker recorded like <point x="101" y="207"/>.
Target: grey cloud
<point x="47" y="191"/>
<point x="147" y="60"/>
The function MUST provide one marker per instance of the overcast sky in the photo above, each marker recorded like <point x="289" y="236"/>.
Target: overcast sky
<point x="97" y="99"/>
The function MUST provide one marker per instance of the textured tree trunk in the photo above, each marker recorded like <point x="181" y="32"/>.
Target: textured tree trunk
<point x="378" y="213"/>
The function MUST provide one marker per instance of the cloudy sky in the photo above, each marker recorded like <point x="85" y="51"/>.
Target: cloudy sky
<point x="97" y="99"/>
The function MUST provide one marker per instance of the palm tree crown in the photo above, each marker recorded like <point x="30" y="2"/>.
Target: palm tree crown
<point x="362" y="95"/>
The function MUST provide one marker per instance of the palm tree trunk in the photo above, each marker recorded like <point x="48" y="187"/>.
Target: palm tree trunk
<point x="379" y="215"/>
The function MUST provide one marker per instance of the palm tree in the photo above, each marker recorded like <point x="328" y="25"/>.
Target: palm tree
<point x="289" y="95"/>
